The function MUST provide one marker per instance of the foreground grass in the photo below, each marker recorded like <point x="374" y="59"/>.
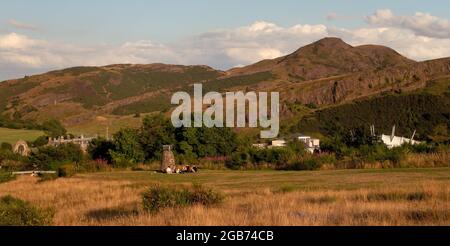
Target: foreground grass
<point x="13" y="135"/>
<point x="343" y="197"/>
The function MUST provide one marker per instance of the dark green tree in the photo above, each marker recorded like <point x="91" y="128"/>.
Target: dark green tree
<point x="50" y="157"/>
<point x="100" y="149"/>
<point x="156" y="131"/>
<point x="127" y="148"/>
<point x="54" y="128"/>
<point x="40" y="141"/>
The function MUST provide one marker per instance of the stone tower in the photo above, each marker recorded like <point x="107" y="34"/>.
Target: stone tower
<point x="21" y="148"/>
<point x="168" y="159"/>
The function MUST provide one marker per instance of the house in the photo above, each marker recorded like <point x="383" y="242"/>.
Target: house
<point x="278" y="143"/>
<point x="82" y="141"/>
<point x="311" y="144"/>
<point x="260" y="145"/>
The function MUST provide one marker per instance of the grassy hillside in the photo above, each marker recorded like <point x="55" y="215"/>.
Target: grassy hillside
<point x="91" y="91"/>
<point x="98" y="125"/>
<point x="424" y="112"/>
<point x="237" y="81"/>
<point x="12" y="135"/>
<point x="326" y="73"/>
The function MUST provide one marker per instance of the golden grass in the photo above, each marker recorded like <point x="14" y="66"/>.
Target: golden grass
<point x="89" y="200"/>
<point x="439" y="159"/>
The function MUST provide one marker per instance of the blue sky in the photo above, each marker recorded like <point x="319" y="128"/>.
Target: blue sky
<point x="41" y="35"/>
<point x="120" y="20"/>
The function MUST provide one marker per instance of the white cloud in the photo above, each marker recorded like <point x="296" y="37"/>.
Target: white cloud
<point x="17" y="41"/>
<point x="420" y="23"/>
<point x="250" y="55"/>
<point x="226" y="48"/>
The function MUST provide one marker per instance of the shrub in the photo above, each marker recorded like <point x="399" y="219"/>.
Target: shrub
<point x="14" y="165"/>
<point x="308" y="164"/>
<point x="238" y="160"/>
<point x="6" y="146"/>
<point x="47" y="177"/>
<point x="54" y="128"/>
<point x="51" y="158"/>
<point x="6" y="176"/>
<point x="98" y="165"/>
<point x="160" y="197"/>
<point x="40" y="141"/>
<point x="204" y="196"/>
<point x="311" y="105"/>
<point x="99" y="148"/>
<point x="15" y="212"/>
<point x="67" y="170"/>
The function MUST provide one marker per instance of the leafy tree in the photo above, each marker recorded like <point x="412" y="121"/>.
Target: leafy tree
<point x="127" y="149"/>
<point x="40" y="141"/>
<point x="51" y="158"/>
<point x="54" y="128"/>
<point x="206" y="141"/>
<point x="100" y="149"/>
<point x="155" y="132"/>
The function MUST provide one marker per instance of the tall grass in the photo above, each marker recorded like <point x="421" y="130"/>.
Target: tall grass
<point x="159" y="197"/>
<point x="95" y="201"/>
<point x="6" y="176"/>
<point x="16" y="212"/>
<point x="439" y="159"/>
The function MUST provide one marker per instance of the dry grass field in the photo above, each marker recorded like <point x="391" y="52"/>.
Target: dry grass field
<point x="339" y="197"/>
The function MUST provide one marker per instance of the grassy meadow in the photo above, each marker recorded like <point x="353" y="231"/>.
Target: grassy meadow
<point x="98" y="125"/>
<point x="335" y="197"/>
<point x="13" y="135"/>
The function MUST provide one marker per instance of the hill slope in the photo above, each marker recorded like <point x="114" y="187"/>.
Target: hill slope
<point x="326" y="73"/>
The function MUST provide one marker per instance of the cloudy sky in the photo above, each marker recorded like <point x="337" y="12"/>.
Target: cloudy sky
<point x="38" y="36"/>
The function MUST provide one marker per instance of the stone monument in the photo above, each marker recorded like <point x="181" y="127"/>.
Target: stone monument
<point x="168" y="159"/>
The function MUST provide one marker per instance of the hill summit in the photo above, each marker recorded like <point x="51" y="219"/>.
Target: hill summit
<point x="326" y="72"/>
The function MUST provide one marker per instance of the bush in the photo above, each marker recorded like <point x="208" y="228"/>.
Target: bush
<point x="15" y="212"/>
<point x="54" y="128"/>
<point x="6" y="176"/>
<point x="96" y="166"/>
<point x="40" y="141"/>
<point x="51" y="158"/>
<point x="13" y="165"/>
<point x="67" y="170"/>
<point x="160" y="197"/>
<point x="238" y="160"/>
<point x="100" y="148"/>
<point x="47" y="177"/>
<point x="275" y="157"/>
<point x="6" y="146"/>
<point x="204" y="196"/>
<point x="309" y="164"/>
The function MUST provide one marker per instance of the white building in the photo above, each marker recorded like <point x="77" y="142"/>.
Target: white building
<point x="278" y="143"/>
<point x="392" y="141"/>
<point x="311" y="144"/>
<point x="259" y="145"/>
